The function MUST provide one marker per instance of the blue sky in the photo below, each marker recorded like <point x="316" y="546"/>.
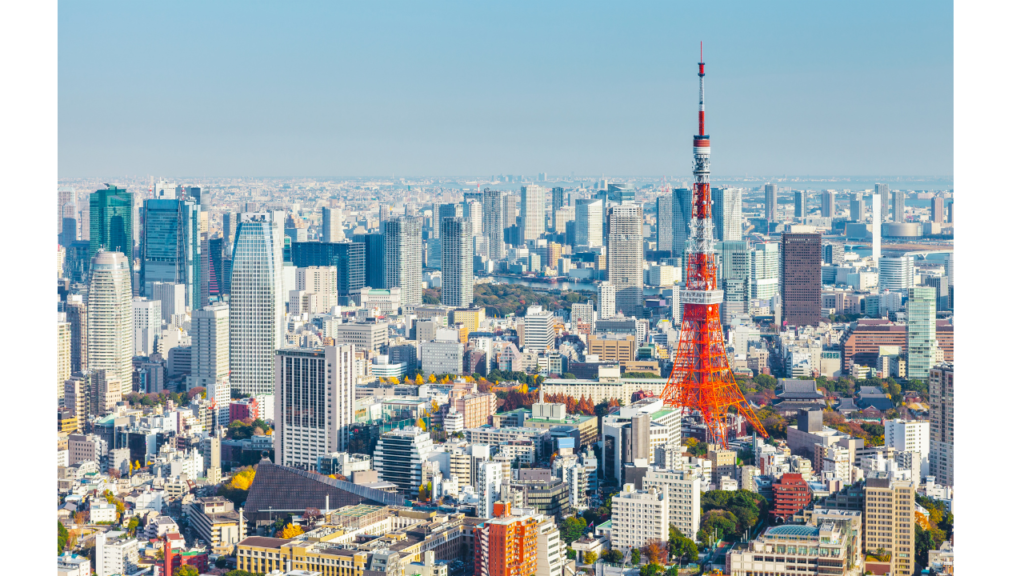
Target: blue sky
<point x="481" y="88"/>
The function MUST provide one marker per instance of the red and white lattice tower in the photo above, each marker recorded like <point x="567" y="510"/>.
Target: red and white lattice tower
<point x="701" y="378"/>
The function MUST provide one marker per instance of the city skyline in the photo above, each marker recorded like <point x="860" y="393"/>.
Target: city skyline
<point x="267" y="91"/>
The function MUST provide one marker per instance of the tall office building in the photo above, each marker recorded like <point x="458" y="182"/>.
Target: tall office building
<point x="399" y="457"/>
<point x="605" y="300"/>
<point x="172" y="301"/>
<point x="539" y="325"/>
<point x="403" y="258"/>
<point x="799" y="203"/>
<point x="63" y="354"/>
<point x="315" y="391"/>
<point x="559" y="198"/>
<point x="940" y="427"/>
<point x="937" y="209"/>
<point x="771" y="203"/>
<point x="255" y="311"/>
<point x="348" y="258"/>
<point x="509" y="210"/>
<point x="146" y="326"/>
<point x="626" y="257"/>
<point x="67" y="209"/>
<point x="332" y="225"/>
<point x="727" y="214"/>
<point x="895" y="273"/>
<point x="211" y="350"/>
<point x="110" y="317"/>
<point x="828" y="203"/>
<point x="169" y="247"/>
<point x="373" y="252"/>
<point x="589" y="222"/>
<point x="941" y="285"/>
<point x="764" y="270"/>
<point x="664" y="223"/>
<point x="77" y="314"/>
<point x="921" y="342"/>
<point x="532" y="209"/>
<point x="734" y="278"/>
<point x="889" y="520"/>
<point x="899" y="211"/>
<point x="456" y="263"/>
<point x="801" y="279"/>
<point x="474" y="214"/>
<point x="858" y="209"/>
<point x="110" y="222"/>
<point x="682" y="213"/>
<point x="882" y="190"/>
<point x="494" y="223"/>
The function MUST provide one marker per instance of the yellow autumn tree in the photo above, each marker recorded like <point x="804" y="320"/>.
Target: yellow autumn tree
<point x="434" y="407"/>
<point x="408" y="380"/>
<point x="432" y="379"/>
<point x="419" y="379"/>
<point x="394" y="381"/>
<point x="291" y="531"/>
<point x="422" y="424"/>
<point x="243" y="479"/>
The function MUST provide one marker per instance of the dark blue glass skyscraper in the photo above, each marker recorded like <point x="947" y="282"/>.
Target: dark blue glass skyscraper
<point x="169" y="247"/>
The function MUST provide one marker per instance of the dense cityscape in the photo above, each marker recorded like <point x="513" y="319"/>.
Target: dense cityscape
<point x="505" y="375"/>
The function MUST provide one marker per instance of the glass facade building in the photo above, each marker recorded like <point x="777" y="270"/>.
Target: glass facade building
<point x="169" y="247"/>
<point x="110" y="222"/>
<point x="349" y="258"/>
<point x="921" y="342"/>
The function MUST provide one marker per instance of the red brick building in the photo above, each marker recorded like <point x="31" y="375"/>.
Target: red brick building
<point x="791" y="494"/>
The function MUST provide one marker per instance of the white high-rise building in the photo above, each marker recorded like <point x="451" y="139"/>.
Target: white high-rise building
<point x="488" y="485"/>
<point x="331" y="225"/>
<point x="211" y="350"/>
<point x="605" y="300"/>
<point x="172" y="302"/>
<point x="895" y="273"/>
<point x="540" y="329"/>
<point x="727" y="214"/>
<point x="474" y="212"/>
<point x="531" y="213"/>
<point x="319" y="280"/>
<point x="63" y="355"/>
<point x="255" y="309"/>
<point x="403" y="257"/>
<point x="910" y="436"/>
<point x="589" y="222"/>
<point x="116" y="553"/>
<point x="626" y="257"/>
<point x="456" y="262"/>
<point x="638" y="516"/>
<point x="682" y="488"/>
<point x="876" y="227"/>
<point x="110" y="317"/>
<point x="582" y="312"/>
<point x="146" y="325"/>
<point x="315" y="391"/>
<point x="764" y="271"/>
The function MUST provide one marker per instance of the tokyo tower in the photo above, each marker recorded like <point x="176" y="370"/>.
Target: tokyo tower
<point x="701" y="378"/>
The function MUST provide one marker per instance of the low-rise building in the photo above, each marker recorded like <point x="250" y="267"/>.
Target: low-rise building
<point x="216" y="522"/>
<point x="793" y="549"/>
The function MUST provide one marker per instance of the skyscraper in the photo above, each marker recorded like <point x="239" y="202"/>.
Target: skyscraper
<point x="332" y="225"/>
<point x="799" y="203"/>
<point x="211" y="351"/>
<point x="67" y="207"/>
<point x="895" y="273"/>
<point x="828" y="204"/>
<point x="664" y="212"/>
<point x="255" y="310"/>
<point x="146" y="326"/>
<point x="937" y="209"/>
<point x="456" y="263"/>
<point x="110" y="317"/>
<point x="771" y="203"/>
<point x="589" y="222"/>
<point x="110" y="222"/>
<point x="403" y="258"/>
<point x="883" y="192"/>
<point x="940" y="428"/>
<point x="734" y="278"/>
<point x="764" y="270"/>
<point x="172" y="301"/>
<point x="921" y="342"/>
<point x="801" y="279"/>
<point x="626" y="257"/>
<point x="315" y="391"/>
<point x="858" y="209"/>
<point x="899" y="199"/>
<point x="494" y="223"/>
<point x="727" y="214"/>
<point x="78" y="319"/>
<point x="682" y="213"/>
<point x="889" y="520"/>
<point x="558" y="198"/>
<point x="63" y="354"/>
<point x="532" y="210"/>
<point x="473" y="212"/>
<point x="605" y="300"/>
<point x="169" y="247"/>
<point x="349" y="258"/>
